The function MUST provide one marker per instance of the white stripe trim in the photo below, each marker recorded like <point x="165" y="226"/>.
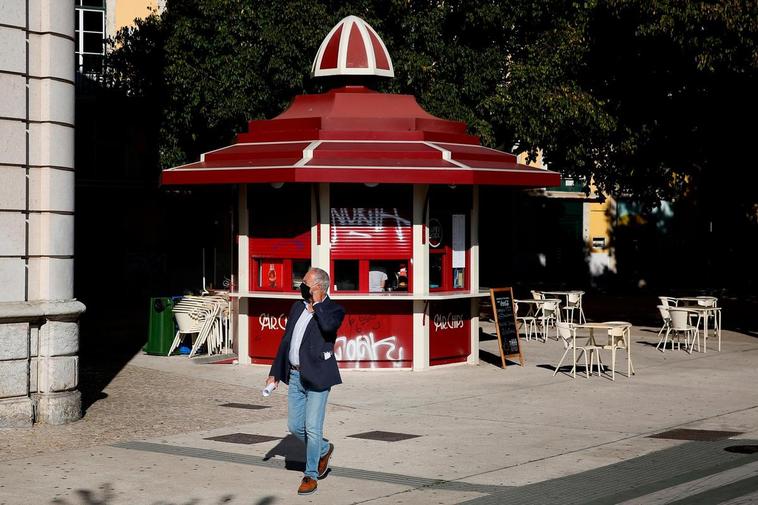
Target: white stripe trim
<point x="355" y="167"/>
<point x="446" y="155"/>
<point x="307" y="153"/>
<point x="368" y="46"/>
<point x="344" y="39"/>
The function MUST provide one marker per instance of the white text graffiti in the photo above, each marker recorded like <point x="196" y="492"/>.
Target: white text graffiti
<point x="365" y="347"/>
<point x="372" y="218"/>
<point x="449" y="322"/>
<point x="268" y="322"/>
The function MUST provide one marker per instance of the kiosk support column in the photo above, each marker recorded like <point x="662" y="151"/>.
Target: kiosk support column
<point x="420" y="278"/>
<point x="320" y="226"/>
<point x="243" y="279"/>
<point x="473" y="358"/>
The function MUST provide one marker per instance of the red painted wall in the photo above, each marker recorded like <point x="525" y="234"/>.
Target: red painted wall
<point x="373" y="335"/>
<point x="449" y="331"/>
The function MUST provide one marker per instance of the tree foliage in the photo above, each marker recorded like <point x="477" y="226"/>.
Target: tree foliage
<point x="643" y="96"/>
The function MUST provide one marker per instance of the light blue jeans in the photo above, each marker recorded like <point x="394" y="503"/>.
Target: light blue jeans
<point x="305" y="420"/>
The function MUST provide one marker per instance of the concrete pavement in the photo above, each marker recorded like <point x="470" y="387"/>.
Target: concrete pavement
<point x="482" y="435"/>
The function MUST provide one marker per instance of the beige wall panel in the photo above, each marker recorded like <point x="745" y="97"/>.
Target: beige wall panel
<point x="51" y="57"/>
<point x="12" y="188"/>
<point x="12" y="234"/>
<point x="51" y="279"/>
<point x="55" y="16"/>
<point x="51" y="144"/>
<point x="51" y="234"/>
<point x="12" y="142"/>
<point x="51" y="189"/>
<point x="13" y="12"/>
<point x="51" y="100"/>
<point x="11" y="279"/>
<point x="12" y="50"/>
<point x="13" y="92"/>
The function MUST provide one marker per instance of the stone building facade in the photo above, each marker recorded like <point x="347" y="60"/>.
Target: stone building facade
<point x="39" y="333"/>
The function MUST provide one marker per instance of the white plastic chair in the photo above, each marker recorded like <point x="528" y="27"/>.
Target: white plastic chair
<point x="574" y="302"/>
<point x="567" y="333"/>
<point x="538" y="295"/>
<point x="548" y="315"/>
<point x="618" y="338"/>
<point x="669" y="301"/>
<point x="666" y="326"/>
<point x="529" y="323"/>
<point x="680" y="323"/>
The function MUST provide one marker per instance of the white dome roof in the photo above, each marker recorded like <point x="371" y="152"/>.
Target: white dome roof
<point x="352" y="47"/>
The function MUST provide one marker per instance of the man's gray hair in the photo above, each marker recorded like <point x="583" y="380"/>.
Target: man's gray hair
<point x="321" y="278"/>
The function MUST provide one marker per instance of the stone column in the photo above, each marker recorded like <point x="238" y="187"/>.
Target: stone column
<point x="38" y="329"/>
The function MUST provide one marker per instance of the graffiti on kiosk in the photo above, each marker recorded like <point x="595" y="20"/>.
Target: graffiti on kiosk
<point x="370" y="218"/>
<point x="366" y="347"/>
<point x="448" y="322"/>
<point x="268" y="322"/>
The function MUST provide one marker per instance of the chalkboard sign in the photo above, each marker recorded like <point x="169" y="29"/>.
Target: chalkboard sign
<point x="505" y="324"/>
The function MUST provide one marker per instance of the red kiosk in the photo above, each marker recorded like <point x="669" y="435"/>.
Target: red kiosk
<point x="377" y="192"/>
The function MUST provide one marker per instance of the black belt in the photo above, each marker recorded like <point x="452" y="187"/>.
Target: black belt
<point x="293" y="367"/>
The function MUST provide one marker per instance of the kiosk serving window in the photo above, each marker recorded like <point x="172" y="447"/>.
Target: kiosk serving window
<point x="280" y="236"/>
<point x="448" y="235"/>
<point x="371" y="237"/>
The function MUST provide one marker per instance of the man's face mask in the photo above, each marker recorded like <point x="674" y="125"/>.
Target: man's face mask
<point x="305" y="291"/>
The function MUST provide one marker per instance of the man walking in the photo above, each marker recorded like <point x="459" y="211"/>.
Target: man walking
<point x="305" y="361"/>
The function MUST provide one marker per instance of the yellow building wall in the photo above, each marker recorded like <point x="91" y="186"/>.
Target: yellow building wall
<point x="128" y="10"/>
<point x="600" y="222"/>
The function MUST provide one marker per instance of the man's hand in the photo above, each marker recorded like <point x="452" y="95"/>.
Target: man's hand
<point x="271" y="379"/>
<point x="309" y="307"/>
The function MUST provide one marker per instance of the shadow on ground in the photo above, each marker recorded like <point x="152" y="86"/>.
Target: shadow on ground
<point x="105" y="495"/>
<point x="293" y="452"/>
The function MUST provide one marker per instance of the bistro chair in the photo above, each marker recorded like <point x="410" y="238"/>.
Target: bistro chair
<point x="574" y="302"/>
<point x="567" y="333"/>
<point x="548" y="316"/>
<point x="538" y="295"/>
<point x="680" y="323"/>
<point x="665" y="327"/>
<point x="529" y="323"/>
<point x="668" y="301"/>
<point x="618" y="338"/>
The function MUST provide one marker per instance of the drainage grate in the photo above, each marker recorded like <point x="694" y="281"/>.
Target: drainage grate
<point x="696" y="435"/>
<point x="384" y="436"/>
<point x="243" y="438"/>
<point x="742" y="449"/>
<point x="248" y="406"/>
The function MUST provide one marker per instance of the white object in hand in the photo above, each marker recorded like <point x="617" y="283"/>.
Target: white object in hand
<point x="269" y="389"/>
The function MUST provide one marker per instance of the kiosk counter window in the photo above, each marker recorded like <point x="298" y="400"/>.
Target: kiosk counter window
<point x="448" y="236"/>
<point x="280" y="236"/>
<point x="371" y="238"/>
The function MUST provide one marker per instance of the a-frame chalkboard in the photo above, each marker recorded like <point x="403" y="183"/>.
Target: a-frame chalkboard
<point x="505" y="324"/>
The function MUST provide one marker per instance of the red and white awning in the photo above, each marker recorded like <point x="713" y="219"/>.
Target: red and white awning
<point x="352" y="47"/>
<point x="355" y="135"/>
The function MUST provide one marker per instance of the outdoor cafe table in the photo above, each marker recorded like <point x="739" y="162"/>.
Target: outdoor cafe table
<point x="608" y="325"/>
<point x="566" y="294"/>
<point x="703" y="313"/>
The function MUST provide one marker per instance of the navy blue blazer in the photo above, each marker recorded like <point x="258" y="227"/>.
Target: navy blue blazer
<point x="316" y="373"/>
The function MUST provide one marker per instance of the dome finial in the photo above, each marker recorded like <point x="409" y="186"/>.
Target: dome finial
<point x="352" y="47"/>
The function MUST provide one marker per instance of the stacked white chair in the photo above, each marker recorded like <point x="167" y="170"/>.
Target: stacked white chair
<point x="206" y="316"/>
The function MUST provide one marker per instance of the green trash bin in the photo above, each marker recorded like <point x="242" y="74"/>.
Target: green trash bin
<point x="161" y="329"/>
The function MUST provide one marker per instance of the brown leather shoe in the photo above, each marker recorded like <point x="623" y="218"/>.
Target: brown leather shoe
<point x="323" y="463"/>
<point x="308" y="486"/>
